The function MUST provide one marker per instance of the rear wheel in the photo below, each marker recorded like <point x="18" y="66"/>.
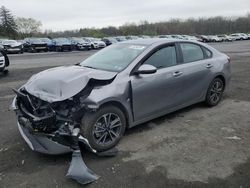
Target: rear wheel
<point x="104" y="128"/>
<point x="215" y="91"/>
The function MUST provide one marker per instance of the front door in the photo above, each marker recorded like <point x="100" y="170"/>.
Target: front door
<point x="155" y="93"/>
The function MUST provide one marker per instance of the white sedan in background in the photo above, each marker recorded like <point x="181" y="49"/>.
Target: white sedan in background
<point x="95" y="43"/>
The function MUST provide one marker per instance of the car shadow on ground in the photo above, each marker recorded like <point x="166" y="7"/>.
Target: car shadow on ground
<point x="165" y="118"/>
<point x="168" y="117"/>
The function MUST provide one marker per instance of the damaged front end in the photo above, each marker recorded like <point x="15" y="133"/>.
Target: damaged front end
<point x="47" y="125"/>
<point x="53" y="129"/>
<point x="53" y="126"/>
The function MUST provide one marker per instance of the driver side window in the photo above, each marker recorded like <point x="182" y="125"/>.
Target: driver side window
<point x="164" y="57"/>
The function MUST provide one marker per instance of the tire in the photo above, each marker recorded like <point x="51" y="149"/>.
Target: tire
<point x="5" y="71"/>
<point x="215" y="92"/>
<point x="57" y="49"/>
<point x="93" y="127"/>
<point x="32" y="50"/>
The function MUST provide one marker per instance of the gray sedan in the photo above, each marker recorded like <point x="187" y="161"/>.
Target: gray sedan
<point x="121" y="86"/>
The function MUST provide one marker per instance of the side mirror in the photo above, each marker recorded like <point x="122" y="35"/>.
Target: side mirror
<point x="146" y="69"/>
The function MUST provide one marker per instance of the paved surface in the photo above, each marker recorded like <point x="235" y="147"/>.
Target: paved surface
<point x="194" y="147"/>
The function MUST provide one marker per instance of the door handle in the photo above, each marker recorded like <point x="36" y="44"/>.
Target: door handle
<point x="177" y="73"/>
<point x="209" y="66"/>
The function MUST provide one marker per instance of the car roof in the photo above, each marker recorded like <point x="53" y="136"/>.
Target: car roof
<point x="148" y="42"/>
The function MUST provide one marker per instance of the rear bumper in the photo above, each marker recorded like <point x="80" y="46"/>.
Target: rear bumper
<point x="84" y="47"/>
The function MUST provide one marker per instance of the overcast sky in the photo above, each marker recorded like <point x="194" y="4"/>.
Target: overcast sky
<point x="75" y="14"/>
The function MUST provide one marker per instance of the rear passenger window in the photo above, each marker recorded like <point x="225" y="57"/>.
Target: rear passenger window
<point x="162" y="58"/>
<point x="208" y="53"/>
<point x="191" y="52"/>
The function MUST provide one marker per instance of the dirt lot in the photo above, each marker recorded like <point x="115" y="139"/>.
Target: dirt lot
<point x="194" y="147"/>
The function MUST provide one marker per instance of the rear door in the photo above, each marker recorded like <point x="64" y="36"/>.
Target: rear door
<point x="197" y="67"/>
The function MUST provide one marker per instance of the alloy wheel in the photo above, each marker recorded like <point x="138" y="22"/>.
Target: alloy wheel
<point x="216" y="91"/>
<point x="107" y="129"/>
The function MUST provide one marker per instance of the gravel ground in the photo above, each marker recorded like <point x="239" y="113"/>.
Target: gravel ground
<point x="193" y="147"/>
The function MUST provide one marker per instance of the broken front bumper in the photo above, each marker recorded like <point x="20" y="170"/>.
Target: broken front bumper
<point x="40" y="143"/>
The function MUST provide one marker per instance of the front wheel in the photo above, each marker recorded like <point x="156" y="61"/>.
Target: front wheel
<point x="215" y="91"/>
<point x="104" y="128"/>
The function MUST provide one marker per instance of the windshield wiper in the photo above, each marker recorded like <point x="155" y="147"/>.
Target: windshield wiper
<point x="89" y="67"/>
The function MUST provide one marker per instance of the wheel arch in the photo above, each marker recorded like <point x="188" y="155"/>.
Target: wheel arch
<point x="221" y="76"/>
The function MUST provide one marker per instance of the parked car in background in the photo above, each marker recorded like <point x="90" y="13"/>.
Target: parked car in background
<point x="144" y="36"/>
<point x="194" y="38"/>
<point x="95" y="43"/>
<point x="48" y="42"/>
<point x="214" y="38"/>
<point x="99" y="43"/>
<point x="239" y="36"/>
<point x="177" y="37"/>
<point x="90" y="40"/>
<point x="109" y="40"/>
<point x="4" y="60"/>
<point x="34" y="45"/>
<point x="12" y="46"/>
<point x="78" y="43"/>
<point x="165" y="36"/>
<point x="203" y="38"/>
<point x="120" y="38"/>
<point x="225" y="38"/>
<point x="132" y="37"/>
<point x="61" y="44"/>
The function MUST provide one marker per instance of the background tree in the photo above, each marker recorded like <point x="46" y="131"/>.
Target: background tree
<point x="28" y="26"/>
<point x="8" y="27"/>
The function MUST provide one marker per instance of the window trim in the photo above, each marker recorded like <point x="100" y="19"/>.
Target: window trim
<point x="178" y="44"/>
<point x="148" y="55"/>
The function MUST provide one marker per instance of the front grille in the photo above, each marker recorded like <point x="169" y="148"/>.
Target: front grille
<point x="39" y="45"/>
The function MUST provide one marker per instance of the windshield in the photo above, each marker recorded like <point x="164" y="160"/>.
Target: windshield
<point x="114" y="58"/>
<point x="62" y="40"/>
<point x="9" y="42"/>
<point x="77" y="39"/>
<point x="45" y="40"/>
<point x="86" y="40"/>
<point x="96" y="39"/>
<point x="35" y="40"/>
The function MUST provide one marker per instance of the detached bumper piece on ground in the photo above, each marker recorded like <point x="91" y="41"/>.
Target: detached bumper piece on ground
<point x="56" y="142"/>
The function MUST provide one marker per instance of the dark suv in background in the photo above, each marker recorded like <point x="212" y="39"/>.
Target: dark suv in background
<point x="34" y="45"/>
<point x="48" y="42"/>
<point x="61" y="44"/>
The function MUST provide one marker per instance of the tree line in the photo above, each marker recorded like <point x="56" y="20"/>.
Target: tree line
<point x="16" y="27"/>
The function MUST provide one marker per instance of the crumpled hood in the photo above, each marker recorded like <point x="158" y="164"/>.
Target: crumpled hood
<point x="58" y="84"/>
